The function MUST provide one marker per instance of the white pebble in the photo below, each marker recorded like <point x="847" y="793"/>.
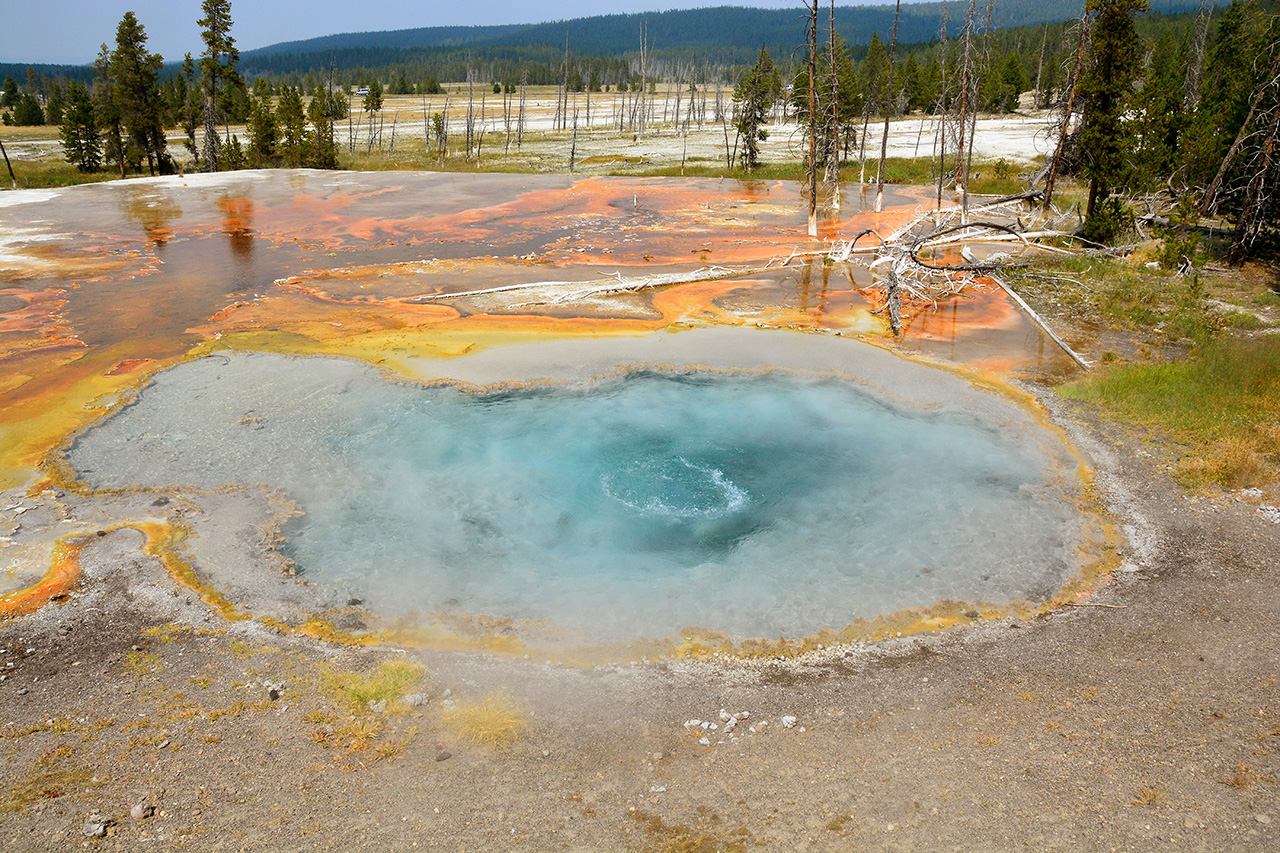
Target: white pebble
<point x="705" y="741"/>
<point x="788" y="722"/>
<point x="725" y="716"/>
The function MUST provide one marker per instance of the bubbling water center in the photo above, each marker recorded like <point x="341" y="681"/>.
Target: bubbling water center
<point x="594" y="470"/>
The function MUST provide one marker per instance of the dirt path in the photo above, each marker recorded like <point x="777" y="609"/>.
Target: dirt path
<point x="1150" y="721"/>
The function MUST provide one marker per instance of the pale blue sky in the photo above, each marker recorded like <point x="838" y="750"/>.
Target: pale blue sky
<point x="70" y="31"/>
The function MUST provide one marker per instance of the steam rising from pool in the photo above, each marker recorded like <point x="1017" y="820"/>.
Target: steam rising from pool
<point x="760" y="504"/>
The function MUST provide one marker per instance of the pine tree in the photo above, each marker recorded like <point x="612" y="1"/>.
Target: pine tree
<point x="874" y="72"/>
<point x="27" y="111"/>
<point x="293" y="127"/>
<point x="217" y="70"/>
<point x="80" y="143"/>
<point x="1013" y="82"/>
<point x="322" y="148"/>
<point x="754" y="96"/>
<point x="55" y="103"/>
<point x="1106" y="86"/>
<point x="264" y="134"/>
<point x="136" y="94"/>
<point x="1158" y="115"/>
<point x="108" y="114"/>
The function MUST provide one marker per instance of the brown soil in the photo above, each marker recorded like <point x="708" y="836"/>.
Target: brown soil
<point x="1148" y="720"/>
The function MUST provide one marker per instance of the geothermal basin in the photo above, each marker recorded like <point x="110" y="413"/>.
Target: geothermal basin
<point x="759" y="496"/>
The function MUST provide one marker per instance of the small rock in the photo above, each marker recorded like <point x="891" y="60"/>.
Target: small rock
<point x="273" y="694"/>
<point x="378" y="706"/>
<point x="96" y="826"/>
<point x="1262" y="819"/>
<point x="444" y="755"/>
<point x="657" y="756"/>
<point x="657" y="789"/>
<point x="142" y="811"/>
<point x="971" y="614"/>
<point x="162" y="744"/>
<point x="22" y="691"/>
<point x="415" y="700"/>
<point x="725" y="716"/>
<point x="706" y="741"/>
<point x="788" y="722"/>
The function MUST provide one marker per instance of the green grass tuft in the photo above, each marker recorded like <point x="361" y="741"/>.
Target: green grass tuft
<point x="388" y="681"/>
<point x="1223" y="403"/>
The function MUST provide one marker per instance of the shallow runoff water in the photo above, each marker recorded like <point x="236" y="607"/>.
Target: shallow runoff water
<point x="763" y="504"/>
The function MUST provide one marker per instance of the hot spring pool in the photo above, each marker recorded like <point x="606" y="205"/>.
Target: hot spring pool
<point x="762" y="503"/>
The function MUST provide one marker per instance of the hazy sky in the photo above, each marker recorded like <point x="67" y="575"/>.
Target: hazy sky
<point x="70" y="31"/>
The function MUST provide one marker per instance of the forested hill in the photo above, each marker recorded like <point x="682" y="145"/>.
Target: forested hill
<point x="727" y="34"/>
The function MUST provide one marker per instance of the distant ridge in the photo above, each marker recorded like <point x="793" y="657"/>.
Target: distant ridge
<point x="705" y="31"/>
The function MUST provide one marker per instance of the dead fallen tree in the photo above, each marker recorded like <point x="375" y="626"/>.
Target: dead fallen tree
<point x="559" y="292"/>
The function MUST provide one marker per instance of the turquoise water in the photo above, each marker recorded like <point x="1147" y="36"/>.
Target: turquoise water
<point x="771" y="504"/>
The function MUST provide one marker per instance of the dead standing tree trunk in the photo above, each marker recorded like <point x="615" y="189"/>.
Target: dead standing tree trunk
<point x="1044" y="46"/>
<point x="813" y="118"/>
<point x="941" y="108"/>
<point x="1056" y="163"/>
<point x="1195" y="60"/>
<point x="966" y="75"/>
<point x="890" y="105"/>
<point x="833" y="158"/>
<point x="973" y="119"/>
